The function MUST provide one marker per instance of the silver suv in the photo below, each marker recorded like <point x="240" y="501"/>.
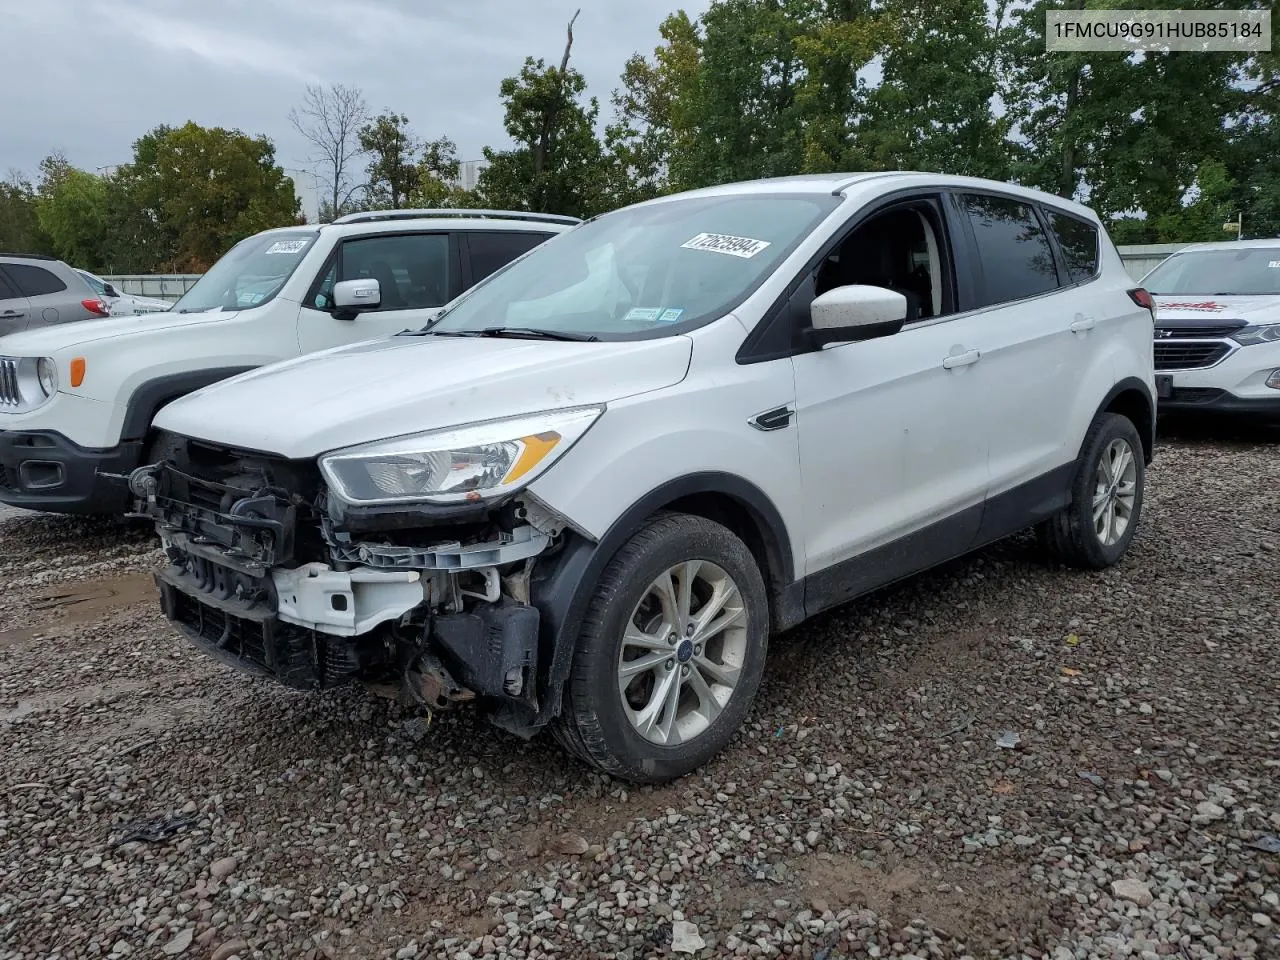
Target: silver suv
<point x="37" y="290"/>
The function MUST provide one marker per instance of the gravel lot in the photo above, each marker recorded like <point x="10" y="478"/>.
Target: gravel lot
<point x="867" y="810"/>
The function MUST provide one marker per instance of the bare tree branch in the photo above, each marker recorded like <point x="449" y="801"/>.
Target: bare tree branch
<point x="330" y="120"/>
<point x="543" y="146"/>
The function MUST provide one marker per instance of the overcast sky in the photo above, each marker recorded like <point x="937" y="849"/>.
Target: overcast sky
<point x="91" y="76"/>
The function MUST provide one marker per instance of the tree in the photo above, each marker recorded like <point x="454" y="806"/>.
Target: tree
<point x="557" y="165"/>
<point x="934" y="107"/>
<point x="393" y="167"/>
<point x="205" y="189"/>
<point x="20" y="230"/>
<point x="650" y="141"/>
<point x="331" y="121"/>
<point x="72" y="210"/>
<point x="437" y="184"/>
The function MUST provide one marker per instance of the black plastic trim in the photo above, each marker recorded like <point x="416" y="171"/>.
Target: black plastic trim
<point x="1225" y="404"/>
<point x="82" y="489"/>
<point x="154" y="394"/>
<point x="1134" y="384"/>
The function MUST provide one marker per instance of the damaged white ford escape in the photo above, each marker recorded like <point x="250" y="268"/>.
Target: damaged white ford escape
<point x="585" y="495"/>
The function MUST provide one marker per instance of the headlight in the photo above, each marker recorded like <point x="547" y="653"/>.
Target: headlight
<point x="474" y="462"/>
<point x="1264" y="333"/>
<point x="47" y="375"/>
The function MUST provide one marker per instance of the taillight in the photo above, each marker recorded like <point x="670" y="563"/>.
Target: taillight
<point x="1143" y="299"/>
<point x="96" y="306"/>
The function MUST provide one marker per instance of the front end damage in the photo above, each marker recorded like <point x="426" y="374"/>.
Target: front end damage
<point x="270" y="573"/>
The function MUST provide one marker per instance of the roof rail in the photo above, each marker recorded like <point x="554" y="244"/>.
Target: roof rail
<point x="28" y="256"/>
<point x="371" y="216"/>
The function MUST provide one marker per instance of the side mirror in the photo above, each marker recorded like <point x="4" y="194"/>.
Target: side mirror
<point x="352" y="296"/>
<point x="856" y="312"/>
<point x="109" y="290"/>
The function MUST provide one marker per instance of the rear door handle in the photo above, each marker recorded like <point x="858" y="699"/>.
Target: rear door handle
<point x="962" y="359"/>
<point x="1082" y="323"/>
<point x="12" y="315"/>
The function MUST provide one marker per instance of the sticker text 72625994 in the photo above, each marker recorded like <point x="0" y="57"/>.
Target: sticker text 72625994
<point x="743" y="247"/>
<point x="287" y="246"/>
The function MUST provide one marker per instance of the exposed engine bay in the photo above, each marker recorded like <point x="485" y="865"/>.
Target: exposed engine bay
<point x="267" y="571"/>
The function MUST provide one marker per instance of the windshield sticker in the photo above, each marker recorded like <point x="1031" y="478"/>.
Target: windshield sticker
<point x="670" y="315"/>
<point x="743" y="247"/>
<point x="1208" y="306"/>
<point x="286" y="246"/>
<point x="646" y="314"/>
<point x="1274" y="264"/>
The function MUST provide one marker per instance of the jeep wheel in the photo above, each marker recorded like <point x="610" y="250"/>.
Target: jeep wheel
<point x="1106" y="498"/>
<point x="670" y="652"/>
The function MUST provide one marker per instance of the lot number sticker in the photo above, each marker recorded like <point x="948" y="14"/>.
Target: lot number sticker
<point x="286" y="246"/>
<point x="743" y="247"/>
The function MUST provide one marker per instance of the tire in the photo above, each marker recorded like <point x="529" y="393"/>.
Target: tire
<point x="601" y="721"/>
<point x="1073" y="537"/>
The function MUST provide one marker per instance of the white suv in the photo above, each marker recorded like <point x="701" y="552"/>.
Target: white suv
<point x="77" y="400"/>
<point x="587" y="493"/>
<point x="1218" y="328"/>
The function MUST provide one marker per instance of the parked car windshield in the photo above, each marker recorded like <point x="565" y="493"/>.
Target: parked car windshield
<point x="1252" y="271"/>
<point x="643" y="271"/>
<point x="249" y="274"/>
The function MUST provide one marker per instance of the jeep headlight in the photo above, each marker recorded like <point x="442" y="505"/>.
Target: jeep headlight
<point x="47" y="376"/>
<point x="1260" y="333"/>
<point x="474" y="462"/>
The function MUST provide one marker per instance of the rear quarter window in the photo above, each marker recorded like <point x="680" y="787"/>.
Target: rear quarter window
<point x="1078" y="241"/>
<point x="34" y="281"/>
<point x="492" y="251"/>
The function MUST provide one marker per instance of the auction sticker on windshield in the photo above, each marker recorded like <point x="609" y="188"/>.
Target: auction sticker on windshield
<point x="743" y="247"/>
<point x="286" y="246"/>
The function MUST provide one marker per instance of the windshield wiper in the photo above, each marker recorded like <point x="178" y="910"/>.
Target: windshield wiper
<point x="536" y="333"/>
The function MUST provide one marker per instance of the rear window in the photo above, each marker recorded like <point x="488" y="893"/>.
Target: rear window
<point x="1078" y="241"/>
<point x="34" y="281"/>
<point x="1013" y="249"/>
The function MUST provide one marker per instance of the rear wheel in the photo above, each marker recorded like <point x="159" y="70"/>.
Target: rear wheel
<point x="1095" y="531"/>
<point x="670" y="652"/>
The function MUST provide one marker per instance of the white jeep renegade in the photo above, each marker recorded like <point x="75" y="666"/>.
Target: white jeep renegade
<point x="77" y="400"/>
<point x="585" y="495"/>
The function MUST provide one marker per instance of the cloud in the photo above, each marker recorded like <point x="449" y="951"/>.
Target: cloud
<point x="97" y="74"/>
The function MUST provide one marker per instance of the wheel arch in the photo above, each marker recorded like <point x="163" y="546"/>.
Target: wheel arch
<point x="1131" y="398"/>
<point x="150" y="395"/>
<point x="562" y="589"/>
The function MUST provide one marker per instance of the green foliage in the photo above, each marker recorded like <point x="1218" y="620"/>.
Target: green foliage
<point x="393" y="165"/>
<point x="557" y="164"/>
<point x="73" y="211"/>
<point x="20" y="230"/>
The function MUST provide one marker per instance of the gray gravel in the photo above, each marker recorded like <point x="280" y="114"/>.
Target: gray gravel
<point x="866" y="811"/>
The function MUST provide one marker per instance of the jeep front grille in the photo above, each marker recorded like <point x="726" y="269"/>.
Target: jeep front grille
<point x="10" y="395"/>
<point x="1188" y="355"/>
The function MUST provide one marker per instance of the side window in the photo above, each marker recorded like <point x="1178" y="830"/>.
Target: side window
<point x="491" y="251"/>
<point x="1078" y="241"/>
<point x="34" y="281"/>
<point x="412" y="270"/>
<point x="1012" y="249"/>
<point x="6" y="291"/>
<point x="902" y="249"/>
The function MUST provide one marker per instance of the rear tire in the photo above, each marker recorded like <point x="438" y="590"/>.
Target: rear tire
<point x="670" y="653"/>
<point x="1095" y="531"/>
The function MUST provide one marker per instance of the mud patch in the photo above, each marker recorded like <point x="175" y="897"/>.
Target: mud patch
<point x="66" y="605"/>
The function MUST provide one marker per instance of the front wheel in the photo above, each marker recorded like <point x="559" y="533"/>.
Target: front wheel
<point x="1095" y="531"/>
<point x="670" y="652"/>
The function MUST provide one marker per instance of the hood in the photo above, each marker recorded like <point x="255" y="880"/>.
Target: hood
<point x="1203" y="310"/>
<point x="391" y="387"/>
<point x="48" y="340"/>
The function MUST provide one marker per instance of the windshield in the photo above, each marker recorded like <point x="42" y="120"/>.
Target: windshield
<point x="643" y="271"/>
<point x="249" y="274"/>
<point x="1249" y="272"/>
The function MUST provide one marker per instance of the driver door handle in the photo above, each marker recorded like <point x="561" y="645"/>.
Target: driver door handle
<point x="961" y="359"/>
<point x="1082" y="323"/>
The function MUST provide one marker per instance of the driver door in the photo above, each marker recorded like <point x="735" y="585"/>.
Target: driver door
<point x="416" y="273"/>
<point x="893" y="442"/>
